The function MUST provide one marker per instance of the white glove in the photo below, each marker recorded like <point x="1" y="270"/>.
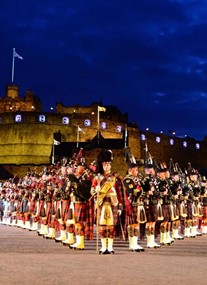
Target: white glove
<point x="119" y="212"/>
<point x="93" y="191"/>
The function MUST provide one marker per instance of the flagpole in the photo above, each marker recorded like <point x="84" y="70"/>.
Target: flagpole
<point x="53" y="153"/>
<point x="77" y="137"/>
<point x="98" y="124"/>
<point x="125" y="137"/>
<point x="13" y="66"/>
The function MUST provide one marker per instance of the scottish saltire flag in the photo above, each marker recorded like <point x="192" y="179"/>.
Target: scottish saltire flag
<point x="17" y="55"/>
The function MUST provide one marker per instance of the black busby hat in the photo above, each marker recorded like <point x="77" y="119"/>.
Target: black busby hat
<point x="148" y="165"/>
<point x="159" y="170"/>
<point x="103" y="156"/>
<point x="132" y="165"/>
<point x="164" y="166"/>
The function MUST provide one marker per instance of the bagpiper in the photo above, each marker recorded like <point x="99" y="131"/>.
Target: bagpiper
<point x="108" y="199"/>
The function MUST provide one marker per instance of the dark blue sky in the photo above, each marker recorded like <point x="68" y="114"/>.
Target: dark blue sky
<point x="149" y="58"/>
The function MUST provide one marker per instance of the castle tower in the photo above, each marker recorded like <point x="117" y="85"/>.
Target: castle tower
<point x="12" y="91"/>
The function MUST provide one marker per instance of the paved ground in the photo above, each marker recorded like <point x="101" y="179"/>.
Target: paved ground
<point x="26" y="258"/>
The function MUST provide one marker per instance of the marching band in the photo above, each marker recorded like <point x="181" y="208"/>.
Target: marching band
<point x="70" y="201"/>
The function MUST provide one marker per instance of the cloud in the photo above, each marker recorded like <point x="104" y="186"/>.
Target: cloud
<point x="146" y="57"/>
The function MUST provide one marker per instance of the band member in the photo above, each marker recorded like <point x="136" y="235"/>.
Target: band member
<point x="164" y="195"/>
<point x="13" y="208"/>
<point x="177" y="178"/>
<point x="192" y="201"/>
<point x="152" y="204"/>
<point x="34" y="210"/>
<point x="7" y="212"/>
<point x="80" y="186"/>
<point x="196" y="206"/>
<point x="20" y="215"/>
<point x="49" y="203"/>
<point x="204" y="205"/>
<point x="176" y="191"/>
<point x="134" y="206"/>
<point x="197" y="211"/>
<point x="41" y="214"/>
<point x="26" y="209"/>
<point x="70" y="229"/>
<point x="109" y="203"/>
<point x="62" y="210"/>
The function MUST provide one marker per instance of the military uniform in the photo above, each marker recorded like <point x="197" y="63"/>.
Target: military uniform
<point x="108" y="199"/>
<point x="134" y="206"/>
<point x="153" y="209"/>
<point x="204" y="205"/>
<point x="80" y="187"/>
<point x="163" y="186"/>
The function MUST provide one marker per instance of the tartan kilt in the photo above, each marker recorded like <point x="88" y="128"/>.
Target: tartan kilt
<point x="133" y="216"/>
<point x="80" y="212"/>
<point x="166" y="213"/>
<point x="189" y="211"/>
<point x="48" y="211"/>
<point x="32" y="206"/>
<point x="56" y="210"/>
<point x="115" y="215"/>
<point x="65" y="209"/>
<point x="177" y="211"/>
<point x="89" y="219"/>
<point x="42" y="212"/>
<point x="204" y="212"/>
<point x="152" y="213"/>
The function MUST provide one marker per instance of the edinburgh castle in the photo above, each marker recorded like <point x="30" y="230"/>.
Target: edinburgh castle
<point x="28" y="135"/>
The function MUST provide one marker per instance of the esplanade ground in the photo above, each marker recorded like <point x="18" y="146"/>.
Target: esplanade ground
<point x="26" y="258"/>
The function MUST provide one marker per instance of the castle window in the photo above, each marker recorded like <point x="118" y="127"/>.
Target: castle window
<point x="171" y="141"/>
<point x="65" y="121"/>
<point x="118" y="129"/>
<point x="157" y="140"/>
<point x="185" y="144"/>
<point x="103" y="125"/>
<point x="42" y="118"/>
<point x="87" y="123"/>
<point x="197" y="146"/>
<point x="18" y="118"/>
<point x="143" y="137"/>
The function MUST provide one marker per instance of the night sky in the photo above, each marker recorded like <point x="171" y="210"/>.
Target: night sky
<point x="149" y="58"/>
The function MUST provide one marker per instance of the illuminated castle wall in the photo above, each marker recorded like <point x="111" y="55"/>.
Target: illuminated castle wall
<point x="27" y="133"/>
